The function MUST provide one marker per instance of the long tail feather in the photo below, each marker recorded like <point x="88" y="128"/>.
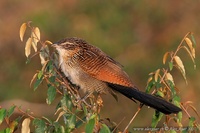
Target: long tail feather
<point x="147" y="99"/>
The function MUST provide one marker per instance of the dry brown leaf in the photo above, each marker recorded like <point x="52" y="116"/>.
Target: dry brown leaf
<point x="169" y="77"/>
<point x="60" y="114"/>
<point x="157" y="74"/>
<point x="22" y="31"/>
<point x="165" y="57"/>
<point x="34" y="76"/>
<point x="26" y="126"/>
<point x="28" y="47"/>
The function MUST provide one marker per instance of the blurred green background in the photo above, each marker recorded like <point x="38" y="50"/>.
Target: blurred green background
<point x="135" y="33"/>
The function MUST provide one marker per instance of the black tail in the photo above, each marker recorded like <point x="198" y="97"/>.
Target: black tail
<point x="147" y="99"/>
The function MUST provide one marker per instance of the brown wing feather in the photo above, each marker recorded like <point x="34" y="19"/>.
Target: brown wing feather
<point x="97" y="64"/>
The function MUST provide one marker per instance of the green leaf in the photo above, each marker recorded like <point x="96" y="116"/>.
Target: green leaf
<point x="39" y="125"/>
<point x="37" y="83"/>
<point x="160" y="93"/>
<point x="191" y="121"/>
<point x="193" y="40"/>
<point x="58" y="128"/>
<point x="7" y="130"/>
<point x="51" y="94"/>
<point x="150" y="86"/>
<point x="105" y="129"/>
<point x="90" y="126"/>
<point x="50" y="66"/>
<point x="170" y="66"/>
<point x="172" y="87"/>
<point x="2" y="114"/>
<point x="72" y="121"/>
<point x="66" y="101"/>
<point x="10" y="111"/>
<point x="40" y="74"/>
<point x="156" y="118"/>
<point x="52" y="79"/>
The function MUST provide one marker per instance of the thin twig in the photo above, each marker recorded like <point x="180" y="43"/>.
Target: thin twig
<point x="126" y="128"/>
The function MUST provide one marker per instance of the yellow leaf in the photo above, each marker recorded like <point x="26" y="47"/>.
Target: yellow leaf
<point x="149" y="80"/>
<point x="35" y="37"/>
<point x="180" y="64"/>
<point x="48" y="42"/>
<point x="26" y="126"/>
<point x="193" y="52"/>
<point x="36" y="33"/>
<point x="189" y="43"/>
<point x="180" y="67"/>
<point x="190" y="54"/>
<point x="165" y="57"/>
<point x="42" y="58"/>
<point x="22" y="31"/>
<point x="28" y="47"/>
<point x="169" y="77"/>
<point x="157" y="75"/>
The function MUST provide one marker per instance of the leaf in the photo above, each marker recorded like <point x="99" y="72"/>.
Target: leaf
<point x="157" y="74"/>
<point x="37" y="33"/>
<point x="39" y="125"/>
<point x="169" y="77"/>
<point x="10" y="111"/>
<point x="60" y="114"/>
<point x="2" y="114"/>
<point x="28" y="47"/>
<point x="189" y="43"/>
<point x="160" y="93"/>
<point x="40" y="74"/>
<point x="66" y="102"/>
<point x="37" y="83"/>
<point x="44" y="54"/>
<point x="156" y="118"/>
<point x="165" y="57"/>
<point x="191" y="56"/>
<point x="13" y="125"/>
<point x="48" y="42"/>
<point x="26" y="126"/>
<point x="35" y="37"/>
<point x="34" y="76"/>
<point x="90" y="126"/>
<point x="51" y="94"/>
<point x="7" y="130"/>
<point x="170" y="66"/>
<point x="180" y="66"/>
<point x="22" y="31"/>
<point x="191" y="121"/>
<point x="193" y="40"/>
<point x="105" y="129"/>
<point x="72" y="121"/>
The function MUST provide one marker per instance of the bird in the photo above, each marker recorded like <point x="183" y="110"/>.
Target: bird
<point x="92" y="70"/>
